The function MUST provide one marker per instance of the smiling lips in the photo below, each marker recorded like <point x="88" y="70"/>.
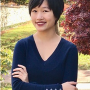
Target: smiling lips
<point x="40" y="23"/>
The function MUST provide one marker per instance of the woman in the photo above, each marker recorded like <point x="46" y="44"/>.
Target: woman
<point x="44" y="60"/>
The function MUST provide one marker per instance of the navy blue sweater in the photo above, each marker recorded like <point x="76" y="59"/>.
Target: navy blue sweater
<point x="60" y="67"/>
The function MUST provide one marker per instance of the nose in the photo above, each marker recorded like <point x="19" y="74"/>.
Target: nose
<point x="39" y="16"/>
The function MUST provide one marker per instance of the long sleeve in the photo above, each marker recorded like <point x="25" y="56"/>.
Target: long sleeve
<point x="71" y="65"/>
<point x="19" y="57"/>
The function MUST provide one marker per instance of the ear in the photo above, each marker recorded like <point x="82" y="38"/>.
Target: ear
<point x="56" y="21"/>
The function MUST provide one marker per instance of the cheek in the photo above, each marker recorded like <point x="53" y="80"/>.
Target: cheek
<point x="51" y="17"/>
<point x="51" y="20"/>
<point x="32" y="17"/>
<point x="33" y="20"/>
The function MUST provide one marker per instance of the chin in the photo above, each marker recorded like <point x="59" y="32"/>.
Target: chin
<point x="40" y="30"/>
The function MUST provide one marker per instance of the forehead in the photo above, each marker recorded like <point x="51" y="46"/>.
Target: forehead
<point x="44" y="4"/>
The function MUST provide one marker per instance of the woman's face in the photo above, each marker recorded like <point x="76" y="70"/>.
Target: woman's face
<point x="42" y="17"/>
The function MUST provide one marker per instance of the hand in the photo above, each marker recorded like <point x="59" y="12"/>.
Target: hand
<point x="69" y="86"/>
<point x="21" y="73"/>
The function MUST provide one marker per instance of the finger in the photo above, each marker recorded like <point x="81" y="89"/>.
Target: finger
<point x="23" y="67"/>
<point x="16" y="73"/>
<point x="17" y="76"/>
<point x="18" y="69"/>
<point x="72" y="83"/>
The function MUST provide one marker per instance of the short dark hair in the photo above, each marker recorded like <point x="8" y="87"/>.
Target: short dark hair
<point x="56" y="6"/>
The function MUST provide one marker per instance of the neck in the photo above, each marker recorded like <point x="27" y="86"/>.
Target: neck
<point x="45" y="36"/>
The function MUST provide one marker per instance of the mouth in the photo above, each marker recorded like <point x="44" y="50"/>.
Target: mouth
<point x="40" y="23"/>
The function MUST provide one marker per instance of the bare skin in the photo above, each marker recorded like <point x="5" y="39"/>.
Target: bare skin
<point x="45" y="36"/>
<point x="69" y="85"/>
<point x="21" y="73"/>
<point x="46" y="46"/>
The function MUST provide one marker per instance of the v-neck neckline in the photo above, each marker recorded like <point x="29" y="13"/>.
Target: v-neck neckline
<point x="38" y="54"/>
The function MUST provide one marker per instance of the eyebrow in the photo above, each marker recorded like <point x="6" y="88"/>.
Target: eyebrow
<point x="45" y="7"/>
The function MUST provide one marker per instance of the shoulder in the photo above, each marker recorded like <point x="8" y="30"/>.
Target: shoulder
<point x="24" y="42"/>
<point x="67" y="45"/>
<point x="69" y="49"/>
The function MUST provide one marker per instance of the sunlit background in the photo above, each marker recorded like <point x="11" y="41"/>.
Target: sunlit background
<point x="74" y="25"/>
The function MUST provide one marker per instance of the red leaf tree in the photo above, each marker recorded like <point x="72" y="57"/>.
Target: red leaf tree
<point x="77" y="25"/>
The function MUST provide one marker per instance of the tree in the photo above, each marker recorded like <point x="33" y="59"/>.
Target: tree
<point x="6" y="61"/>
<point x="21" y="1"/>
<point x="77" y="25"/>
<point x="16" y="1"/>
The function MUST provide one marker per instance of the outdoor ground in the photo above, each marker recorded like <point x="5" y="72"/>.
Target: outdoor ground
<point x="83" y="75"/>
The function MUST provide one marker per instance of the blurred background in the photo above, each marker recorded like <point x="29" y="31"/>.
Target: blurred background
<point x="74" y="25"/>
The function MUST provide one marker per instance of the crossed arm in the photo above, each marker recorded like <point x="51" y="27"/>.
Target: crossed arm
<point x="20" y="75"/>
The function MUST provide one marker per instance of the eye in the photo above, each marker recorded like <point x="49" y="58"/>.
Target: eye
<point x="45" y="11"/>
<point x="34" y="11"/>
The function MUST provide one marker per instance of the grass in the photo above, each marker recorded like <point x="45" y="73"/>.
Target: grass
<point x="11" y="36"/>
<point x="11" y="26"/>
<point x="83" y="62"/>
<point x="6" y="88"/>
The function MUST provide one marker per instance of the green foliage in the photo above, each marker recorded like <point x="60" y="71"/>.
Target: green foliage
<point x="5" y="1"/>
<point x="10" y="37"/>
<point x="77" y="25"/>
<point x="84" y="62"/>
<point x="5" y="86"/>
<point x="65" y="1"/>
<point x="6" y="60"/>
<point x="21" y="1"/>
<point x="8" y="41"/>
<point x="27" y="1"/>
<point x="16" y="1"/>
<point x="12" y="26"/>
<point x="62" y="18"/>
